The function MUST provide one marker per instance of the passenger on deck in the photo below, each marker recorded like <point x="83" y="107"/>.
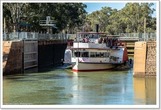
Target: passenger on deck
<point x="100" y="40"/>
<point x="104" y="40"/>
<point x="85" y="40"/>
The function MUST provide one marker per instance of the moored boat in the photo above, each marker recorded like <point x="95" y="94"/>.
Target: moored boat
<point x="97" y="51"/>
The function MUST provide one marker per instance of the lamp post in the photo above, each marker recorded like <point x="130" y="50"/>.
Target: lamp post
<point x="4" y="28"/>
<point x="144" y="28"/>
<point x="17" y="19"/>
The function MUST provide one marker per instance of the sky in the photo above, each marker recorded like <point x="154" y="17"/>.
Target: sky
<point x="98" y="6"/>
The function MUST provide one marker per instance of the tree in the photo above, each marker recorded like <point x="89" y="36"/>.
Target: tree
<point x="134" y="15"/>
<point x="130" y="19"/>
<point x="12" y="13"/>
<point x="67" y="16"/>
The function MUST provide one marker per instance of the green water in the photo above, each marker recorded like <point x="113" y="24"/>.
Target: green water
<point x="64" y="87"/>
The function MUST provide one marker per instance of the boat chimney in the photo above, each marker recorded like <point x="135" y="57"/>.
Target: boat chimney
<point x="97" y="27"/>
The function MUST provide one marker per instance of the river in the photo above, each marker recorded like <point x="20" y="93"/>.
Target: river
<point x="64" y="87"/>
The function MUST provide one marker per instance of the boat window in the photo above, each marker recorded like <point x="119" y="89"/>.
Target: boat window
<point x="92" y="54"/>
<point x="99" y="54"/>
<point x="107" y="54"/>
<point x="84" y="54"/>
<point x="76" y="54"/>
<point x="102" y="54"/>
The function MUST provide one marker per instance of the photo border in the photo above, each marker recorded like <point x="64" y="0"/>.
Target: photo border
<point x="88" y="106"/>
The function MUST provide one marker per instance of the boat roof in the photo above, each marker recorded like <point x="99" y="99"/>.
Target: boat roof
<point x="97" y="48"/>
<point x="97" y="33"/>
<point x="91" y="33"/>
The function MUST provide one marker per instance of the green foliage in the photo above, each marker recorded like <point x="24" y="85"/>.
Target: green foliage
<point x="130" y="19"/>
<point x="72" y="17"/>
<point x="67" y="16"/>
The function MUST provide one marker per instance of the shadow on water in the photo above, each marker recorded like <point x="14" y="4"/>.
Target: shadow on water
<point x="39" y="70"/>
<point x="57" y="77"/>
<point x="29" y="72"/>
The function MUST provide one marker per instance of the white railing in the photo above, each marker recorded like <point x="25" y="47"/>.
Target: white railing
<point x="138" y="36"/>
<point x="61" y="36"/>
<point x="33" y="36"/>
<point x="71" y="36"/>
<point x="88" y="45"/>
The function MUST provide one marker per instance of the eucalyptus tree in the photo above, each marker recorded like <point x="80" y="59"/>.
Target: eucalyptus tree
<point x="104" y="19"/>
<point x="12" y="13"/>
<point x="91" y="20"/>
<point x="133" y="18"/>
<point x="67" y="16"/>
<point x="115" y="25"/>
<point x="135" y="14"/>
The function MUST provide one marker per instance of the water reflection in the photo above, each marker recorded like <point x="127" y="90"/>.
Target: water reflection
<point x="102" y="88"/>
<point x="145" y="90"/>
<point x="63" y="87"/>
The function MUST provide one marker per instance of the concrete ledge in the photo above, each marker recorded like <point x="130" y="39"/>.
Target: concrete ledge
<point x="145" y="59"/>
<point x="139" y="74"/>
<point x="150" y="73"/>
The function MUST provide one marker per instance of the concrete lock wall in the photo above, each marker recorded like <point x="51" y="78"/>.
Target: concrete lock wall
<point x="139" y="58"/>
<point x="30" y="54"/>
<point x="21" y="55"/>
<point x="12" y="57"/>
<point x="151" y="58"/>
<point x="145" y="58"/>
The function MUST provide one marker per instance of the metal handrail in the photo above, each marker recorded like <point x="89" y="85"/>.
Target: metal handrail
<point x="34" y="36"/>
<point x="61" y="36"/>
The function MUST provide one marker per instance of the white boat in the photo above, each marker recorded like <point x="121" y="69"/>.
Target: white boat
<point x="93" y="51"/>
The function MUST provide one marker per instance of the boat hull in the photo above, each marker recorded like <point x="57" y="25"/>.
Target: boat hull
<point x="81" y="66"/>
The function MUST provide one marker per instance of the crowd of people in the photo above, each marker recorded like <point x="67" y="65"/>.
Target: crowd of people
<point x="109" y="41"/>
